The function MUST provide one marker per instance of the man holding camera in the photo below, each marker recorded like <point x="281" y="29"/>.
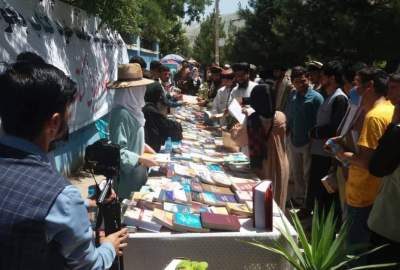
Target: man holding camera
<point x="43" y="219"/>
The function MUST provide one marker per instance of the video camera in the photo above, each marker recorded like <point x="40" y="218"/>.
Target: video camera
<point x="103" y="157"/>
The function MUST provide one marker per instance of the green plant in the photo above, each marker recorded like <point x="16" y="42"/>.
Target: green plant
<point x="324" y="251"/>
<point x="192" y="265"/>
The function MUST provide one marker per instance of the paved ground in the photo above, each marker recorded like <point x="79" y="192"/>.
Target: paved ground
<point x="83" y="180"/>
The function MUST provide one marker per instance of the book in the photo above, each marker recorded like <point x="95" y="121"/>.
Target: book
<point x="220" y="222"/>
<point x="239" y="209"/>
<point x="142" y="219"/>
<point x="164" y="218"/>
<point x="198" y="208"/>
<point x="221" y="179"/>
<point x="166" y="196"/>
<point x="249" y="205"/>
<point x="196" y="197"/>
<point x="216" y="189"/>
<point x="188" y="223"/>
<point x="196" y="186"/>
<point x="177" y="208"/>
<point x="246" y="186"/>
<point x="218" y="210"/>
<point x="143" y="196"/>
<point x="225" y="198"/>
<point x="215" y="168"/>
<point x="263" y="205"/>
<point x="243" y="196"/>
<point x="210" y="199"/>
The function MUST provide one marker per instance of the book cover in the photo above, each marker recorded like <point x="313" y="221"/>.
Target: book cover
<point x="164" y="218"/>
<point x="142" y="219"/>
<point x="216" y="189"/>
<point x="221" y="179"/>
<point x="220" y="222"/>
<point x="239" y="209"/>
<point x="210" y="198"/>
<point x="243" y="196"/>
<point x="247" y="186"/>
<point x="218" y="210"/>
<point x="224" y="198"/>
<point x="188" y="223"/>
<point x="196" y="197"/>
<point x="263" y="205"/>
<point x="196" y="186"/>
<point x="177" y="208"/>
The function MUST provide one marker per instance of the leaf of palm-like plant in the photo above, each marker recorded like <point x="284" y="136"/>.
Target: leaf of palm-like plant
<point x="336" y="252"/>
<point x="308" y="252"/>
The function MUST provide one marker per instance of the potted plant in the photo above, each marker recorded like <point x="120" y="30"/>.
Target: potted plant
<point x="324" y="251"/>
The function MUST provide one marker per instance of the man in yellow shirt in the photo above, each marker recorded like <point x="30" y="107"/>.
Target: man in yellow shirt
<point x="362" y="187"/>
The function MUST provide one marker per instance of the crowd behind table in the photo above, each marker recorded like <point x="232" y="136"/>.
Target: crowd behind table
<point x="303" y="124"/>
<point x="290" y="118"/>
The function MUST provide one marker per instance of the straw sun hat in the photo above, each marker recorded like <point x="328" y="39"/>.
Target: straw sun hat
<point x="129" y="75"/>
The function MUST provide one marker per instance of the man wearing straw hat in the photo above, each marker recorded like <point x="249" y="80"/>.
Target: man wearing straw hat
<point x="127" y="128"/>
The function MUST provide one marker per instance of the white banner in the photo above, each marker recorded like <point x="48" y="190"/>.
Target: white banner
<point x="70" y="40"/>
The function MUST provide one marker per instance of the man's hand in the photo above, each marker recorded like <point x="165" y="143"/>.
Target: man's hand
<point x="147" y="162"/>
<point x="117" y="239"/>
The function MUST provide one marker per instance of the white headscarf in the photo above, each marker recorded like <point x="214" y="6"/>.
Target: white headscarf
<point x="132" y="99"/>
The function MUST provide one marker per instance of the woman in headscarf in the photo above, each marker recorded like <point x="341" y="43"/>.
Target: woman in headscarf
<point x="264" y="133"/>
<point x="158" y="127"/>
<point x="127" y="128"/>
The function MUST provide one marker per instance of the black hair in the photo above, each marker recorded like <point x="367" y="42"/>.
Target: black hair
<point x="394" y="77"/>
<point x="241" y="67"/>
<point x="30" y="94"/>
<point x="334" y="68"/>
<point x="138" y="60"/>
<point x="155" y="65"/>
<point x="163" y="68"/>
<point x="378" y="76"/>
<point x="298" y="71"/>
<point x="350" y="70"/>
<point x="154" y="93"/>
<point x="30" y="57"/>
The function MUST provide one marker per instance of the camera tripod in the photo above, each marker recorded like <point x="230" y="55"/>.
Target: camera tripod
<point x="109" y="214"/>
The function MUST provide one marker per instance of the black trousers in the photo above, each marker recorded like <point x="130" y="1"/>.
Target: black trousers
<point x="316" y="192"/>
<point x="389" y="254"/>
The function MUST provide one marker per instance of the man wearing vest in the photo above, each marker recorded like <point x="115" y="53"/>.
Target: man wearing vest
<point x="329" y="117"/>
<point x="43" y="219"/>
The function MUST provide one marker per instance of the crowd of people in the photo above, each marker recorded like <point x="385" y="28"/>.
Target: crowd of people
<point x="330" y="130"/>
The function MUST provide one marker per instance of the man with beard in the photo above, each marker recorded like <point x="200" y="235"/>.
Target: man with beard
<point x="329" y="117"/>
<point x="242" y="78"/>
<point x="43" y="218"/>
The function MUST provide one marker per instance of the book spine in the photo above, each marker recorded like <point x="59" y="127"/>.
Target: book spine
<point x="268" y="208"/>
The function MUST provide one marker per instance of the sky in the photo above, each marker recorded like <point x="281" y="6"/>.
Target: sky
<point x="228" y="6"/>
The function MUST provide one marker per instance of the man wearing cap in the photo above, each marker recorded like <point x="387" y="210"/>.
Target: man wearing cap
<point x="242" y="78"/>
<point x="127" y="128"/>
<point x="220" y="103"/>
<point x="216" y="81"/>
<point x="314" y="72"/>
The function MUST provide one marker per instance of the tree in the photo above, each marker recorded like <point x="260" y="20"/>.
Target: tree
<point x="155" y="20"/>
<point x="204" y="44"/>
<point x="291" y="31"/>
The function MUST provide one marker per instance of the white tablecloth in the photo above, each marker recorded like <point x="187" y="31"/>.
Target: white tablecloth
<point x="222" y="250"/>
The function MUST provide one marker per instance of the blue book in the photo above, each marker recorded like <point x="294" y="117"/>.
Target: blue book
<point x="224" y="198"/>
<point x="188" y="223"/>
<point x="215" y="168"/>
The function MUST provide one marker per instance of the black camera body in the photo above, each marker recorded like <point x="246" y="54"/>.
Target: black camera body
<point x="103" y="157"/>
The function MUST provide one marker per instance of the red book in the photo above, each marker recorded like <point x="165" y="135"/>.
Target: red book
<point x="220" y="222"/>
<point x="262" y="205"/>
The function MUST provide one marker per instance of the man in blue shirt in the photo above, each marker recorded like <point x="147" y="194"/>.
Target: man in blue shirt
<point x="43" y="218"/>
<point x="302" y="111"/>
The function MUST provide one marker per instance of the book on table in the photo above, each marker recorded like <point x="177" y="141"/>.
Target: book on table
<point x="141" y="218"/>
<point x="239" y="209"/>
<point x="220" y="222"/>
<point x="164" y="218"/>
<point x="263" y="205"/>
<point x="188" y="223"/>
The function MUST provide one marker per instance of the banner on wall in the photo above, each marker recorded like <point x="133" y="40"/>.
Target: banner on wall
<point x="69" y="39"/>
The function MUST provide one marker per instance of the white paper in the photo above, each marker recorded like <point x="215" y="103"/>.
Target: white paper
<point x="236" y="110"/>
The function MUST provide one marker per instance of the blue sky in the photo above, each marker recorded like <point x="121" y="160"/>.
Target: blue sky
<point x="228" y="6"/>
